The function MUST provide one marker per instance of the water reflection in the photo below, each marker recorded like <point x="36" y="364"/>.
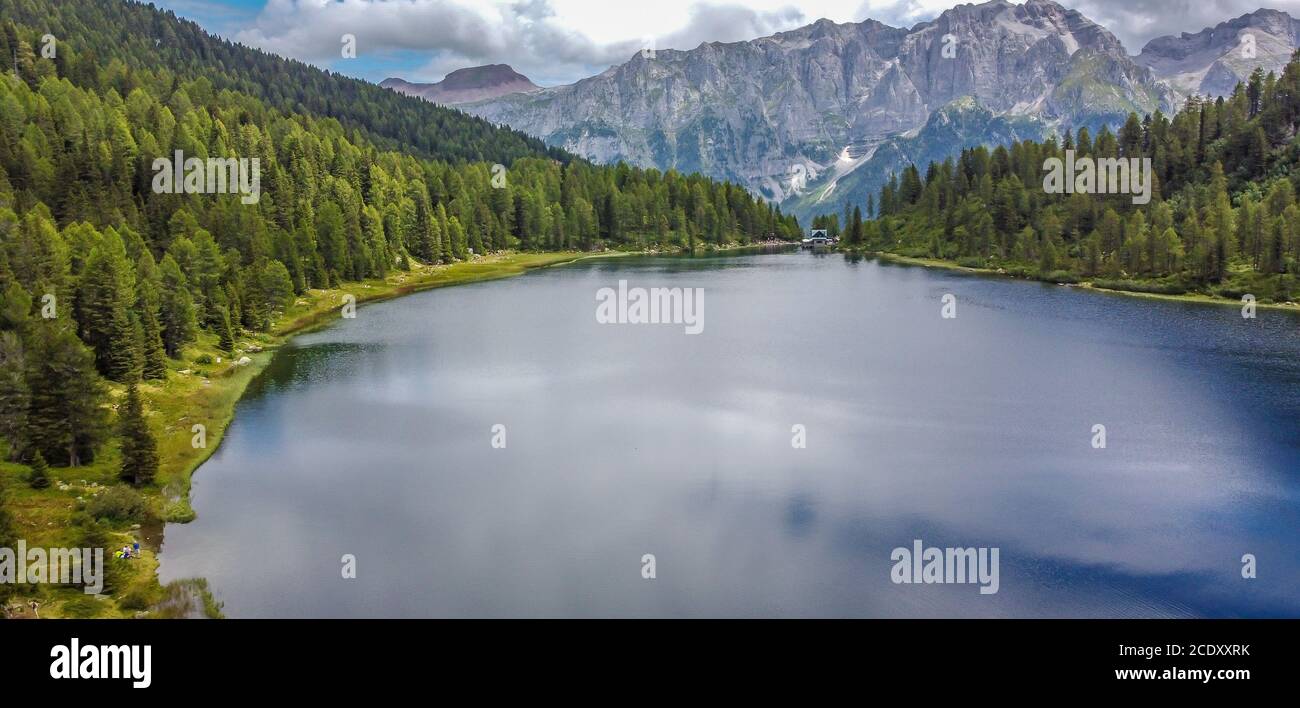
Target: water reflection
<point x="372" y="437"/>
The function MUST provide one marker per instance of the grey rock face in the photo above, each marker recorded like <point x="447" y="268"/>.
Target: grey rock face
<point x="1211" y="62"/>
<point x="961" y="124"/>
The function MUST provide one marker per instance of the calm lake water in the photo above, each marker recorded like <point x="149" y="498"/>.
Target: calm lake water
<point x="373" y="437"/>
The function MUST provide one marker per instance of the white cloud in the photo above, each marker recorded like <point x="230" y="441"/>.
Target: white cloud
<point x="559" y="41"/>
<point x="1137" y="22"/>
<point x="903" y="13"/>
<point x="551" y="41"/>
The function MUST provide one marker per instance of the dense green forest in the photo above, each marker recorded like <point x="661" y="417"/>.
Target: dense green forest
<point x="108" y="41"/>
<point x="102" y="277"/>
<point x="1223" y="217"/>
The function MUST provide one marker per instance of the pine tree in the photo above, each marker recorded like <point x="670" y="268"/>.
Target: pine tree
<point x="275" y="288"/>
<point x="66" y="421"/>
<point x="139" y="451"/>
<point x="39" y="478"/>
<point x="456" y="238"/>
<point x="226" y="332"/>
<point x="15" y="396"/>
<point x="15" y="305"/>
<point x="442" y="247"/>
<point x="155" y="358"/>
<point x="104" y="302"/>
<point x="233" y="303"/>
<point x="177" y="308"/>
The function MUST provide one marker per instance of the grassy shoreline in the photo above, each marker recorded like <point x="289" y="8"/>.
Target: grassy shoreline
<point x="1200" y="298"/>
<point x="202" y="388"/>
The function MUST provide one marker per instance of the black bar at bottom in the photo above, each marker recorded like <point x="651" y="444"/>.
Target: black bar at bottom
<point x="237" y="655"/>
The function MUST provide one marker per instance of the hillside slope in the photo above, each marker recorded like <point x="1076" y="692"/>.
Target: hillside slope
<point x="141" y="36"/>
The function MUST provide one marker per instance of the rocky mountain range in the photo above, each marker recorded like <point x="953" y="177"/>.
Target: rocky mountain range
<point x="479" y="83"/>
<point x="1211" y="62"/>
<point x="823" y="114"/>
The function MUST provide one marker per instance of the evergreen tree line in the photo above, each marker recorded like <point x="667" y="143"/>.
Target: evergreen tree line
<point x="1223" y="216"/>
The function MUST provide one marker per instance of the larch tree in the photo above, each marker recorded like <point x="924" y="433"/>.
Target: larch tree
<point x="139" y="450"/>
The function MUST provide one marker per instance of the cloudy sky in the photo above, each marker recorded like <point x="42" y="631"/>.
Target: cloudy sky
<point x="561" y="41"/>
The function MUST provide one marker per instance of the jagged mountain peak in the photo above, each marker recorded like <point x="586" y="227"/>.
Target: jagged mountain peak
<point x="1035" y="20"/>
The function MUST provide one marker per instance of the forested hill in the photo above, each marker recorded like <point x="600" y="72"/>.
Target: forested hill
<point x="1223" y="217"/>
<point x="96" y="33"/>
<point x="108" y="271"/>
